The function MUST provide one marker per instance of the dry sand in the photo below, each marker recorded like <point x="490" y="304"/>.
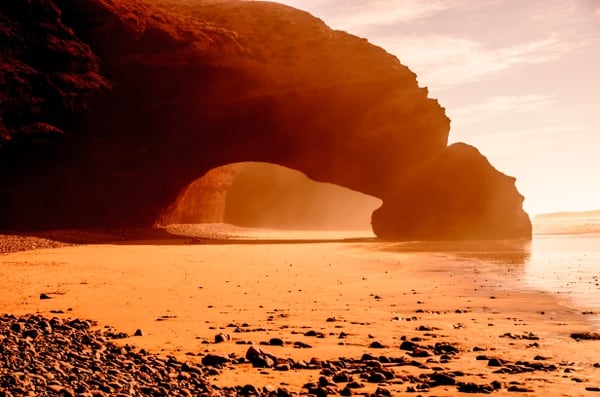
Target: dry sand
<point x="182" y="292"/>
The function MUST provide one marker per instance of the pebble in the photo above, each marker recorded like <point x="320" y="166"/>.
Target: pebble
<point x="214" y="360"/>
<point x="69" y="357"/>
<point x="585" y="336"/>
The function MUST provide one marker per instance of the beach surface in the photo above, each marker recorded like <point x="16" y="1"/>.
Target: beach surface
<point x="328" y="309"/>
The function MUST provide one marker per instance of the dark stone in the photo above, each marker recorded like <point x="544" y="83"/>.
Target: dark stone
<point x="249" y="390"/>
<point x="283" y="392"/>
<point x="585" y="336"/>
<point x="376" y="377"/>
<point x="495" y="362"/>
<point x="368" y="357"/>
<point x="441" y="379"/>
<point x="407" y="345"/>
<point x="44" y="296"/>
<point x="260" y="358"/>
<point x="373" y="363"/>
<point x="30" y="333"/>
<point x="346" y="391"/>
<point x="222" y="337"/>
<point x="276" y="342"/>
<point x="380" y="391"/>
<point x="342" y="376"/>
<point x="445" y="348"/>
<point x="376" y="345"/>
<point x="497" y="385"/>
<point x="418" y="352"/>
<point x="474" y="388"/>
<point x="214" y="360"/>
<point x="355" y="385"/>
<point x="302" y="345"/>
<point x="320" y="391"/>
<point x="519" y="389"/>
<point x="283" y="367"/>
<point x="324" y="381"/>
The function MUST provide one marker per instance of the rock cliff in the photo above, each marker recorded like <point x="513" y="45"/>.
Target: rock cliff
<point x="110" y="108"/>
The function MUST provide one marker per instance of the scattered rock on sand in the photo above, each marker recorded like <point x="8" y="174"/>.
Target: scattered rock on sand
<point x="74" y="360"/>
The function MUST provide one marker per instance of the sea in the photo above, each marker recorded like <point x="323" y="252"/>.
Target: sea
<point x="565" y="258"/>
<point x="562" y="258"/>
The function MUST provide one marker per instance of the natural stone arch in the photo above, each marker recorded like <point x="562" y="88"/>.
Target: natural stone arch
<point x="183" y="87"/>
<point x="254" y="194"/>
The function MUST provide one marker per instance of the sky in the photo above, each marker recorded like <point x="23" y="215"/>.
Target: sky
<point x="520" y="80"/>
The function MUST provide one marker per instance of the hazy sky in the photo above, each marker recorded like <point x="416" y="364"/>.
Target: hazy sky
<point x="520" y="80"/>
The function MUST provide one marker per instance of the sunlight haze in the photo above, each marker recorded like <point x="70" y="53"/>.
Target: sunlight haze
<point x="519" y="80"/>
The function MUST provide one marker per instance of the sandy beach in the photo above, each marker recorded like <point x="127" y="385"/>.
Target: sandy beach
<point x="318" y="305"/>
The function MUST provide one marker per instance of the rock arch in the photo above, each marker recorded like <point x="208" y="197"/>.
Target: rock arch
<point x="182" y="87"/>
<point x="265" y="195"/>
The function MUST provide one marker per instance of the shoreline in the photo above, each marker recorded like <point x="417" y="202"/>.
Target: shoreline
<point x="185" y="293"/>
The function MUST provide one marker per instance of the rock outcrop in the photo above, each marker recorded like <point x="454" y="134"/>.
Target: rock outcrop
<point x="141" y="98"/>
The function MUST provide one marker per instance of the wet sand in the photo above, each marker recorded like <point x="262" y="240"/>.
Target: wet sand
<point x="345" y="299"/>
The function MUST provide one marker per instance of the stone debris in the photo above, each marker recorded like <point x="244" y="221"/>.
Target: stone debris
<point x="73" y="357"/>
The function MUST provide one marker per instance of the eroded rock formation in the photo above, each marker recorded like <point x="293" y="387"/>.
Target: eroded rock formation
<point x="175" y="88"/>
<point x="269" y="196"/>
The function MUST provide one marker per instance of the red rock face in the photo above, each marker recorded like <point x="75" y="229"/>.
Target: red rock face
<point x="461" y="196"/>
<point x="196" y="85"/>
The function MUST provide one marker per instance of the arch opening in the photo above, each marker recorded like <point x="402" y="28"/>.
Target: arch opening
<point x="269" y="196"/>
